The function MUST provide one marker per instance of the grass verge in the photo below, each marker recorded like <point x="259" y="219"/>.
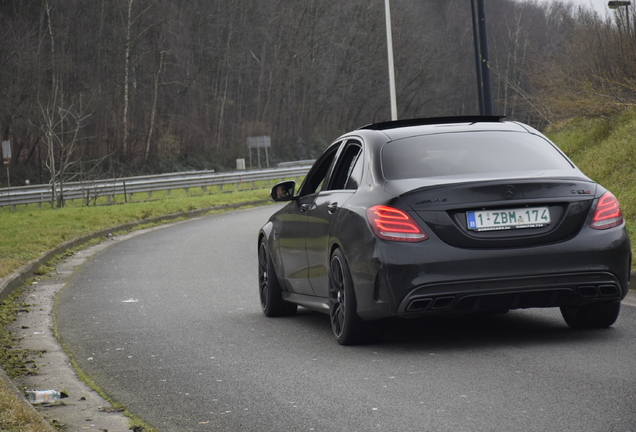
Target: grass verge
<point x="605" y="150"/>
<point x="16" y="416"/>
<point x="15" y="362"/>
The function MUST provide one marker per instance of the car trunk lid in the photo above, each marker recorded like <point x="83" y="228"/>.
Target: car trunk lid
<point x="504" y="213"/>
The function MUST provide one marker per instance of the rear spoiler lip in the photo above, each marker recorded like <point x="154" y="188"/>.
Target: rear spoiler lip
<point x="392" y="188"/>
<point x="432" y="121"/>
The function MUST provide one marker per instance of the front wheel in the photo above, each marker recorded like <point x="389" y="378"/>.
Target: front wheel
<point x="347" y="326"/>
<point x="595" y="315"/>
<point x="269" y="289"/>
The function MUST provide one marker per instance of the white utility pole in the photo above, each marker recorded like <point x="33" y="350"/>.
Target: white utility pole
<point x="389" y="45"/>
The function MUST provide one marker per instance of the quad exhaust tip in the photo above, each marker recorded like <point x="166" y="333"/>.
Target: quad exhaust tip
<point x="431" y="303"/>
<point x="594" y="291"/>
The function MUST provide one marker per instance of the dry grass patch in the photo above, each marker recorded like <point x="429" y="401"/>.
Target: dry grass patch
<point x="16" y="415"/>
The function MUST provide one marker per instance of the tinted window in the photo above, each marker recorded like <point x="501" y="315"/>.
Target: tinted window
<point x="347" y="161"/>
<point x="469" y="153"/>
<point x="315" y="179"/>
<point x="355" y="177"/>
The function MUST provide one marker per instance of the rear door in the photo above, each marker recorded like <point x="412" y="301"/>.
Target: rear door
<point x="325" y="209"/>
<point x="292" y="236"/>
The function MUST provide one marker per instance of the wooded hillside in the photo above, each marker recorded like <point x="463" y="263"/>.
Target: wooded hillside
<point x="103" y="88"/>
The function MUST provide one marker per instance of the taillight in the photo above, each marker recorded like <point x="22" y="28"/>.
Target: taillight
<point x="389" y="223"/>
<point x="608" y="213"/>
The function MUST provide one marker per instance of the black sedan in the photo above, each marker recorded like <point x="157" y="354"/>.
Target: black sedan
<point x="446" y="215"/>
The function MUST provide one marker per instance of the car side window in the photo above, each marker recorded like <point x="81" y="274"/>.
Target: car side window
<point x="315" y="180"/>
<point x="347" y="165"/>
<point x="355" y="176"/>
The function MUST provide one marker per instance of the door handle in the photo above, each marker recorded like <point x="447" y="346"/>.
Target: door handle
<point x="332" y="207"/>
<point x="304" y="207"/>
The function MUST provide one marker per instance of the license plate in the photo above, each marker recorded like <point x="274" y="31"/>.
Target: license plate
<point x="490" y="220"/>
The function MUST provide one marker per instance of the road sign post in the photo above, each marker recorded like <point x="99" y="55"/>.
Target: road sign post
<point x="6" y="157"/>
<point x="258" y="143"/>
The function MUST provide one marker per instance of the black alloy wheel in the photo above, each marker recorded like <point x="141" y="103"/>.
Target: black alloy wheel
<point x="269" y="288"/>
<point x="347" y="326"/>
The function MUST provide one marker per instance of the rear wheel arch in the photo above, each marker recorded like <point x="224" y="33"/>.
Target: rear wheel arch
<point x="332" y="249"/>
<point x="347" y="326"/>
<point x="265" y="231"/>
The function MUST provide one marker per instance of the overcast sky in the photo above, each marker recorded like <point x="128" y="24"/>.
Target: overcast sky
<point x="599" y="5"/>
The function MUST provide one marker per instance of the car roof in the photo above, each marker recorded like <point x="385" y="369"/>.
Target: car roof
<point x="398" y="129"/>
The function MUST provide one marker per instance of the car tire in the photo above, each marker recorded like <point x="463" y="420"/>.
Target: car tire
<point x="270" y="292"/>
<point x="347" y="326"/>
<point x="595" y="315"/>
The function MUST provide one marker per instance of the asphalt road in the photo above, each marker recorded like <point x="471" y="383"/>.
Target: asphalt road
<point x="169" y="324"/>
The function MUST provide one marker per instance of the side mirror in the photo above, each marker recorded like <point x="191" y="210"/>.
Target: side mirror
<point x="283" y="191"/>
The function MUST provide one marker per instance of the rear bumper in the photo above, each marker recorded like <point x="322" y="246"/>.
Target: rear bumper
<point x="431" y="277"/>
<point x="511" y="293"/>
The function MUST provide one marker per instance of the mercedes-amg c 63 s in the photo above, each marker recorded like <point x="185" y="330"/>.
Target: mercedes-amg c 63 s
<point x="447" y="215"/>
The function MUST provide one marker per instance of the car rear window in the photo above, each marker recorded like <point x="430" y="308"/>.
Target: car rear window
<point x="461" y="153"/>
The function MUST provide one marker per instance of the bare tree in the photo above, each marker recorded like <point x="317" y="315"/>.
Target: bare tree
<point x="127" y="26"/>
<point x="153" y="110"/>
<point x="61" y="121"/>
<point x="61" y="129"/>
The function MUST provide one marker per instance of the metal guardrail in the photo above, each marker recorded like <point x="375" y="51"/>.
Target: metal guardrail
<point x="130" y="185"/>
